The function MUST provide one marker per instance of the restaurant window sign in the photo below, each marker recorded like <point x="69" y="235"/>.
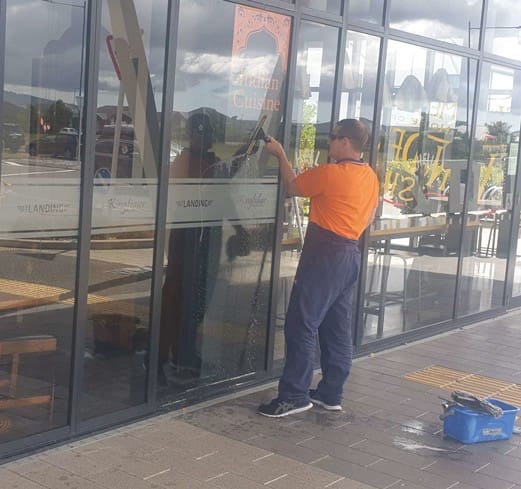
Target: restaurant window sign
<point x="424" y="140"/>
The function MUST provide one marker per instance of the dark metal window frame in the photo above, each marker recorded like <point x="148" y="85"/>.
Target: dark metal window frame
<point x="3" y="10"/>
<point x="297" y="14"/>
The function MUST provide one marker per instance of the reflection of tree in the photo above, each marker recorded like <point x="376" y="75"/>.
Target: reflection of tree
<point x="460" y="145"/>
<point x="34" y="119"/>
<point x="500" y="130"/>
<point x="58" y="115"/>
<point x="307" y="136"/>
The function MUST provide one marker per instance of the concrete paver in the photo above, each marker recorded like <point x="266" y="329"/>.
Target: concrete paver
<point x="389" y="434"/>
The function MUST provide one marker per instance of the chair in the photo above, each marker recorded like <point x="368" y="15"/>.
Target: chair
<point x="375" y="302"/>
<point x="490" y="223"/>
<point x="14" y="348"/>
<point x="433" y="244"/>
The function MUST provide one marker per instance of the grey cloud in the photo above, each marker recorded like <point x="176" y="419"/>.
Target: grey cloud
<point x="54" y="44"/>
<point x="223" y="65"/>
<point x="445" y="18"/>
<point x="206" y="26"/>
<point x="51" y="55"/>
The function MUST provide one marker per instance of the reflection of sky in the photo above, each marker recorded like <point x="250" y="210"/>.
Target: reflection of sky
<point x="45" y="23"/>
<point x="502" y="81"/>
<point x="210" y="80"/>
<point x="508" y="46"/>
<point x="203" y="60"/>
<point x="313" y="65"/>
<point x="405" y="59"/>
<point x="444" y="19"/>
<point x="499" y="99"/>
<point x="55" y="38"/>
<point x="504" y="42"/>
<point x="207" y="75"/>
<point x="449" y="21"/>
<point x="360" y="72"/>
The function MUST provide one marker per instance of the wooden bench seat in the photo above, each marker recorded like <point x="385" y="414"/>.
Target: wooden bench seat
<point x="13" y="348"/>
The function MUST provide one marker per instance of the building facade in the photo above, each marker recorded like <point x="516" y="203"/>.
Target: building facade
<point x="147" y="248"/>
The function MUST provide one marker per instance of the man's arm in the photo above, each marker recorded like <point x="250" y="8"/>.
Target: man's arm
<point x="286" y="171"/>
<point x="371" y="217"/>
<point x="373" y="213"/>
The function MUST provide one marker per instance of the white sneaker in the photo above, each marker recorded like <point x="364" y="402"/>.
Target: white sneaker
<point x="315" y="399"/>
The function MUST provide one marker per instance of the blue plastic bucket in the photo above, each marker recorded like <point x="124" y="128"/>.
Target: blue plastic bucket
<point x="468" y="426"/>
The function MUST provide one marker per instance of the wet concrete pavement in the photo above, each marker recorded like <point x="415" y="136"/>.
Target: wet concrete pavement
<point x="389" y="434"/>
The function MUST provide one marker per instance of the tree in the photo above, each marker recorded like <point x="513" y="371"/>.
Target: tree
<point x="34" y="119"/>
<point x="499" y="129"/>
<point x="59" y="116"/>
<point x="307" y="143"/>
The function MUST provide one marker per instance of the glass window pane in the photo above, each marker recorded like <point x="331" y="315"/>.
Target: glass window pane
<point x="314" y="90"/>
<point x="132" y="44"/>
<point x="368" y="11"/>
<point x="516" y="286"/>
<point x="358" y="92"/>
<point x="40" y="191"/>
<point x="229" y="88"/>
<point x="332" y="6"/>
<point x="503" y="31"/>
<point x="421" y="161"/>
<point x="491" y="186"/>
<point x="456" y="23"/>
<point x="311" y="124"/>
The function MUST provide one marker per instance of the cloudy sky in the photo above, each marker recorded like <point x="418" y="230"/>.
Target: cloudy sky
<point x="449" y="20"/>
<point x="44" y="43"/>
<point x="43" y="47"/>
<point x="32" y="27"/>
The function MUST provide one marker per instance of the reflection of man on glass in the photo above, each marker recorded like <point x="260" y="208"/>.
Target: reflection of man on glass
<point x="344" y="197"/>
<point x="193" y="260"/>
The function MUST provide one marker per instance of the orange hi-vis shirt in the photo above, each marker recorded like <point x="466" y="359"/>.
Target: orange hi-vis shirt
<point x="343" y="196"/>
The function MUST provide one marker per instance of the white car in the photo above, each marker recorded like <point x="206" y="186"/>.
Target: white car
<point x="68" y="130"/>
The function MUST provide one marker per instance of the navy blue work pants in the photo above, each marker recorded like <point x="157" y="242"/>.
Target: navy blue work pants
<point x="320" y="303"/>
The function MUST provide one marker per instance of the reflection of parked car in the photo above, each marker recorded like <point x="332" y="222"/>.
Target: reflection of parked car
<point x="61" y="145"/>
<point x="126" y="131"/>
<point x="68" y="130"/>
<point x="127" y="155"/>
<point x="13" y="136"/>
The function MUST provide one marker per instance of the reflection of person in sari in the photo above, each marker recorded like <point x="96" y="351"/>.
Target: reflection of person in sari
<point x="193" y="259"/>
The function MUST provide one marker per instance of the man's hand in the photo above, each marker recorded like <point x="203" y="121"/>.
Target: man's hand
<point x="286" y="171"/>
<point x="274" y="147"/>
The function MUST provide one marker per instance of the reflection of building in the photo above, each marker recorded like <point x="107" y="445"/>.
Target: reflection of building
<point x="80" y="292"/>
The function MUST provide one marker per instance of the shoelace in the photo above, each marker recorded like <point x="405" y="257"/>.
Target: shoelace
<point x="285" y="406"/>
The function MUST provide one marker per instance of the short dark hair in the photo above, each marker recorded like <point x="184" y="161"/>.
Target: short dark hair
<point x="199" y="123"/>
<point x="355" y="130"/>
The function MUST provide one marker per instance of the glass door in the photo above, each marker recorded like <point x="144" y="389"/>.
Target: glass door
<point x="516" y="242"/>
<point x="40" y="170"/>
<point x="229" y="89"/>
<point x="422" y="157"/>
<point x="492" y="179"/>
<point x="310" y="126"/>
<point x="130" y="85"/>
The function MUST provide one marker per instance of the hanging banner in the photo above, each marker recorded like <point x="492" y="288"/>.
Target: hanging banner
<point x="258" y="73"/>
